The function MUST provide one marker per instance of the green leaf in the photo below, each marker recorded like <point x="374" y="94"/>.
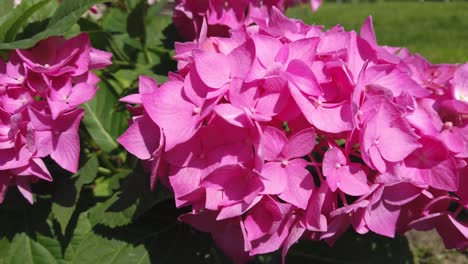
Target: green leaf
<point x="88" y="172"/>
<point x="45" y="12"/>
<point x="52" y="245"/>
<point x="96" y="249"/>
<point x="15" y="19"/>
<point x="131" y="3"/>
<point x="68" y="192"/>
<point x="68" y="13"/>
<point x="105" y="186"/>
<point x="4" y="248"/>
<point x="24" y="250"/>
<point x="114" y="20"/>
<point x="103" y="120"/>
<point x="134" y="200"/>
<point x="156" y="25"/>
<point x="155" y="10"/>
<point x="87" y="247"/>
<point x="136" y="20"/>
<point x="6" y="6"/>
<point x="80" y="233"/>
<point x="126" y="77"/>
<point x="104" y="214"/>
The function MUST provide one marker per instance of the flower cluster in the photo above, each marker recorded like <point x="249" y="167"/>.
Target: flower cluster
<point x="285" y="131"/>
<point x="222" y="16"/>
<point x="40" y="91"/>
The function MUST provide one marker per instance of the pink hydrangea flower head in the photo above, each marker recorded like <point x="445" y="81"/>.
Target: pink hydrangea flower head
<point x="281" y="131"/>
<point x="41" y="90"/>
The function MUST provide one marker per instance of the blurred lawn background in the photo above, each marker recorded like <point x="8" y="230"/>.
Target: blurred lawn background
<point x="436" y="30"/>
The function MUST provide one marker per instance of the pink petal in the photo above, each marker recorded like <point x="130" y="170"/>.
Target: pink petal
<point x="36" y="168"/>
<point x="299" y="185"/>
<point x="241" y="59"/>
<point x="367" y="31"/>
<point x="273" y="142"/>
<point x="12" y="158"/>
<point x="300" y="144"/>
<point x="301" y="76"/>
<point x="184" y="182"/>
<point x="237" y="182"/>
<point x="395" y="145"/>
<point x="382" y="218"/>
<point x="353" y="180"/>
<point x="444" y="176"/>
<point x="259" y="221"/>
<point x="453" y="236"/>
<point x="274" y="178"/>
<point x="272" y="103"/>
<point x="426" y="222"/>
<point x="266" y="48"/>
<point x="141" y="138"/>
<point x="237" y="209"/>
<point x="174" y="115"/>
<point x="67" y="151"/>
<point x="334" y="119"/>
<point x="295" y="234"/>
<point x="99" y="59"/>
<point x="81" y="93"/>
<point x="401" y="193"/>
<point x="147" y="85"/>
<point x="205" y="62"/>
<point x="377" y="160"/>
<point x="24" y="186"/>
<point x="429" y="155"/>
<point x="303" y="49"/>
<point x="232" y="115"/>
<point x="315" y="220"/>
<point x="333" y="160"/>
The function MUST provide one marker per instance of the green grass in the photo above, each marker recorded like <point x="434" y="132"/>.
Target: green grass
<point x="436" y="30"/>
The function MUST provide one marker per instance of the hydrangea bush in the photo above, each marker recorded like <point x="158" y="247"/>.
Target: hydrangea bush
<point x="284" y="131"/>
<point x="260" y="129"/>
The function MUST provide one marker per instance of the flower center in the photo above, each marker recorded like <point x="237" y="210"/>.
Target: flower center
<point x="318" y="103"/>
<point x="440" y="92"/>
<point x="448" y="125"/>
<point x="196" y="110"/>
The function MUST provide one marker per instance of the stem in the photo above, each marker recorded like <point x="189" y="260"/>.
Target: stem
<point x="316" y="165"/>
<point x="355" y="154"/>
<point x="343" y="198"/>
<point x="459" y="209"/>
<point x="106" y="162"/>
<point x="123" y="63"/>
<point x="104" y="171"/>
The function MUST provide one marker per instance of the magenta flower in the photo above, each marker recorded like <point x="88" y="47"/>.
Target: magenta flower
<point x="286" y="170"/>
<point x="348" y="177"/>
<point x="56" y="56"/>
<point x="58" y="138"/>
<point x="40" y="91"/>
